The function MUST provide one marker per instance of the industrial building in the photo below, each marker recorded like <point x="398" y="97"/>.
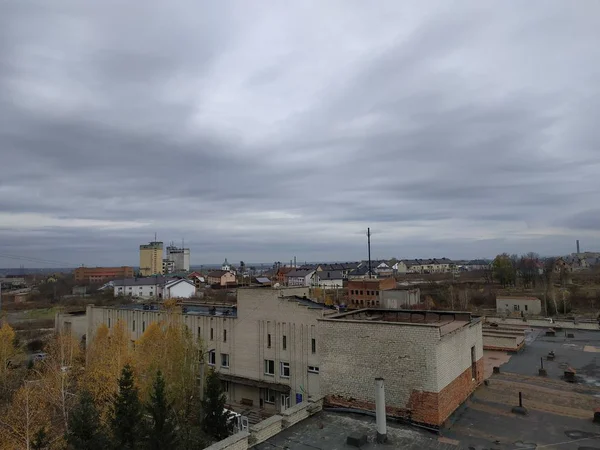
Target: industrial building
<point x="151" y="256"/>
<point x="431" y="360"/>
<point x="179" y="257"/>
<point x="364" y="293"/>
<point x="101" y="274"/>
<point x="522" y="306"/>
<point x="276" y="348"/>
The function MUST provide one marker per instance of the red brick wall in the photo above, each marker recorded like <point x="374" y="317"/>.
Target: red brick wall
<point x="434" y="408"/>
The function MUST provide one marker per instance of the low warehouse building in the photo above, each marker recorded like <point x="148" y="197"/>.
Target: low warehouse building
<point x="431" y="361"/>
<point x="524" y="306"/>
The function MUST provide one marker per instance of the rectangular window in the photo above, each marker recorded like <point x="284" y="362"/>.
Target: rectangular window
<point x="199" y="333"/>
<point x="284" y="342"/>
<point x="285" y="369"/>
<point x="516" y="307"/>
<point x="211" y="358"/>
<point x="313" y="345"/>
<point x="361" y="292"/>
<point x="268" y="340"/>
<point x="109" y="322"/>
<point x="313" y="369"/>
<point x="211" y="334"/>
<point x="225" y="385"/>
<point x="224" y="360"/>
<point x="143" y="326"/>
<point x="269" y="367"/>
<point x="133" y="326"/>
<point x="525" y="307"/>
<point x="224" y="335"/>
<point x="267" y="395"/>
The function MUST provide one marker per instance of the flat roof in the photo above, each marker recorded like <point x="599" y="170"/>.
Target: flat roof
<point x="516" y="297"/>
<point x="445" y="321"/>
<point x="329" y="430"/>
<point x="191" y="310"/>
<point x="559" y="412"/>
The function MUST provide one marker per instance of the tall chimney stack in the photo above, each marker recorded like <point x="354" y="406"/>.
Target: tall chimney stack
<point x="577" y="246"/>
<point x="380" y="411"/>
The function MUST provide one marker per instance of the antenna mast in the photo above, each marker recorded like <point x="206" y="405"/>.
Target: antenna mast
<point x="369" y="246"/>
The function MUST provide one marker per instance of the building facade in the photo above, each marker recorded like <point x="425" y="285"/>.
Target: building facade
<point x="524" y="306"/>
<point x="365" y="292"/>
<point x="223" y="278"/>
<point x="299" y="277"/>
<point x="151" y="256"/>
<point x="431" y="361"/>
<point x="399" y="298"/>
<point x="101" y="274"/>
<point x="327" y="279"/>
<point x="180" y="258"/>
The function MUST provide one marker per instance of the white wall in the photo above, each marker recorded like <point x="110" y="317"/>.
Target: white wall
<point x="180" y="290"/>
<point x="147" y="291"/>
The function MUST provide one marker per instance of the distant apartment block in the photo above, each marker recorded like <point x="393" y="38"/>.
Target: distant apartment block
<point x="151" y="256"/>
<point x="101" y="274"/>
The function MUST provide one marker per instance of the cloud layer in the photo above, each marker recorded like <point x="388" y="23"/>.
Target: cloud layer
<point x="266" y="132"/>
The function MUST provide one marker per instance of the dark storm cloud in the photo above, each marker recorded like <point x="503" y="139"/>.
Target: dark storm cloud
<point x="457" y="130"/>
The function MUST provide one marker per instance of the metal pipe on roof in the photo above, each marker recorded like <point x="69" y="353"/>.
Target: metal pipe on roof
<point x="380" y="411"/>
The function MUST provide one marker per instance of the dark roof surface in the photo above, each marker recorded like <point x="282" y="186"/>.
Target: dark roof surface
<point x="330" y="275"/>
<point x="147" y="281"/>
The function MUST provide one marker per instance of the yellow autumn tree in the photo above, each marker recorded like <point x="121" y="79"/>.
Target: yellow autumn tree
<point x="108" y="353"/>
<point x="8" y="351"/>
<point x="25" y="416"/>
<point x="169" y="347"/>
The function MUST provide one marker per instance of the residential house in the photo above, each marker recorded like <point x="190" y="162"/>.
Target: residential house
<point x="148" y="287"/>
<point x="360" y="273"/>
<point x="328" y="279"/>
<point x="223" y="278"/>
<point x="181" y="288"/>
<point x="382" y="269"/>
<point x="344" y="268"/>
<point x="562" y="265"/>
<point x="477" y="264"/>
<point x="299" y="277"/>
<point x="399" y="267"/>
<point x="281" y="273"/>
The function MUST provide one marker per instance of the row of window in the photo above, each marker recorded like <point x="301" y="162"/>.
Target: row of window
<point x="212" y="358"/>
<point x="313" y="343"/>
<point x="284" y="368"/>
<point x="212" y="334"/>
<point x="360" y="292"/>
<point x="364" y="302"/>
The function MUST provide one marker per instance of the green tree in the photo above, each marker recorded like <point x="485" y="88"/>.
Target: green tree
<point x="41" y="440"/>
<point x="85" y="429"/>
<point x="504" y="270"/>
<point x="215" y="421"/>
<point x="161" y="434"/>
<point x="126" y="421"/>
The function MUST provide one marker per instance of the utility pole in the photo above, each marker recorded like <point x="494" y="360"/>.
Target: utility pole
<point x="369" y="246"/>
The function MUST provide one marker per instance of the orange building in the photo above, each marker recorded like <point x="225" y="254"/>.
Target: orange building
<point x="101" y="274"/>
<point x="364" y="293"/>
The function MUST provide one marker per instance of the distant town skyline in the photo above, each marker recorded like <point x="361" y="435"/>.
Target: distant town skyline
<point x="451" y="129"/>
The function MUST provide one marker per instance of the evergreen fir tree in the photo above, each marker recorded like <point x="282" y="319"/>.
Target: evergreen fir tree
<point x="161" y="434"/>
<point x="126" y="421"/>
<point x="85" y="430"/>
<point x="215" y="420"/>
<point x="41" y="440"/>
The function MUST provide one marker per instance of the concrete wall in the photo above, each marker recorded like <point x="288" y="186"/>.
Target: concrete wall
<point x="400" y="298"/>
<point x="182" y="289"/>
<point x="544" y="323"/>
<point x="528" y="307"/>
<point x="502" y="342"/>
<point x="270" y="427"/>
<point x="76" y="323"/>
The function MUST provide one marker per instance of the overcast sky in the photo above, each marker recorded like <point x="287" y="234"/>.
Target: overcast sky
<point x="260" y="131"/>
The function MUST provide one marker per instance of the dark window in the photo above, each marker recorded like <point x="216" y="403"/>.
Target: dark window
<point x="109" y="322"/>
<point x="211" y="358"/>
<point x="269" y="367"/>
<point x="224" y="360"/>
<point x="473" y="363"/>
<point x="285" y="369"/>
<point x="224" y="335"/>
<point x="284" y="342"/>
<point x="525" y="307"/>
<point x="268" y="340"/>
<point x="211" y="334"/>
<point x="133" y="326"/>
<point x="361" y="292"/>
<point x="313" y="344"/>
<point x="199" y="333"/>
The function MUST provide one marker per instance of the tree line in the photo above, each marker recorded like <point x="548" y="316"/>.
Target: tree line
<point x="117" y="394"/>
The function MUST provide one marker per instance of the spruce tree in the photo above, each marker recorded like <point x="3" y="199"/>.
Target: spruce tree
<point x="161" y="434"/>
<point x="41" y="440"/>
<point x="127" y="416"/>
<point x="215" y="420"/>
<point x="85" y="430"/>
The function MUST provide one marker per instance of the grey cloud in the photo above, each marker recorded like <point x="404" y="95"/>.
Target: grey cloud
<point x="458" y="131"/>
